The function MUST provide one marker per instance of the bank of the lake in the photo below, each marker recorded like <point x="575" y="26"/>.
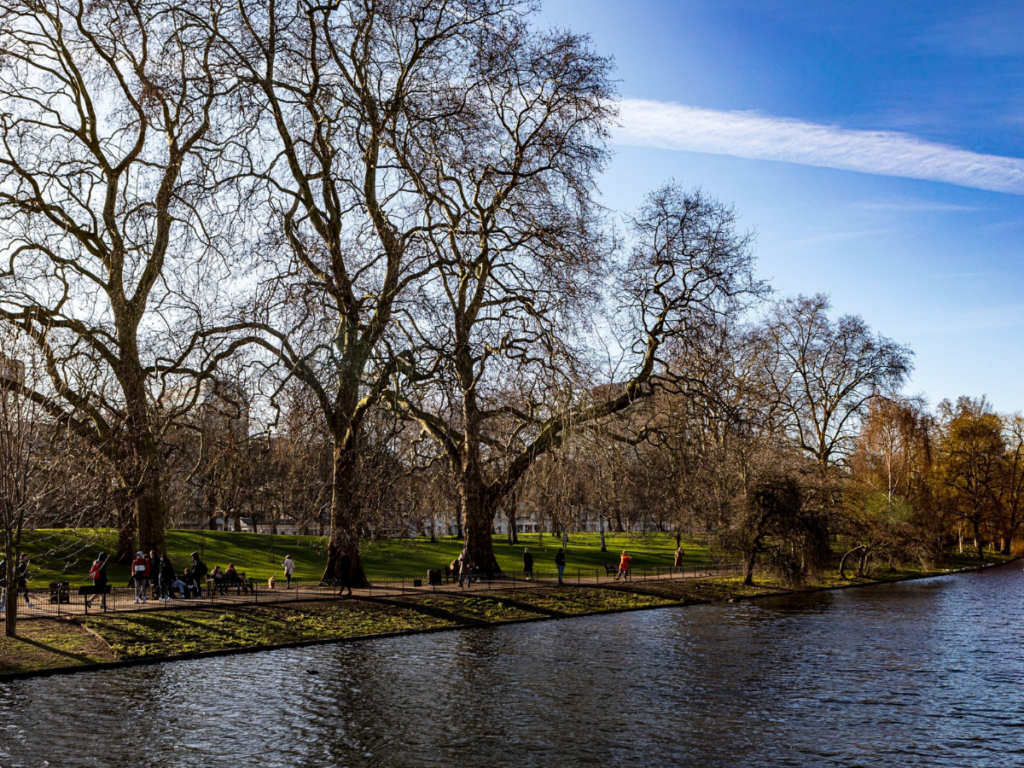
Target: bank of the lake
<point x="49" y="646"/>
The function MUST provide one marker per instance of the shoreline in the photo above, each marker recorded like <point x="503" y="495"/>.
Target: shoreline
<point x="668" y="595"/>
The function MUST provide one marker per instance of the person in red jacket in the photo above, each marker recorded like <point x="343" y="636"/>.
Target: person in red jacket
<point x="623" y="566"/>
<point x="140" y="572"/>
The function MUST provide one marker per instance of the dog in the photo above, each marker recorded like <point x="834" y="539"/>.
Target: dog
<point x="270" y="582"/>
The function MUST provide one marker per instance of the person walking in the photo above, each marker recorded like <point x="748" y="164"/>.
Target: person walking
<point x="289" y="568"/>
<point x="560" y="564"/>
<point x="167" y="578"/>
<point x="527" y="564"/>
<point x="465" y="567"/>
<point x="140" y="574"/>
<point x="98" y="574"/>
<point x="677" y="562"/>
<point x="154" y="573"/>
<point x="3" y="584"/>
<point x="198" y="571"/>
<point x="623" y="571"/>
<point x="22" y="585"/>
<point x="345" y="569"/>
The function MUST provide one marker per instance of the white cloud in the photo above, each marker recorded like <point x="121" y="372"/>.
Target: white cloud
<point x="760" y="137"/>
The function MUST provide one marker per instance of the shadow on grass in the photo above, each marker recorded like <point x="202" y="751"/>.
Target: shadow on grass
<point x="81" y="658"/>
<point x="456" y="617"/>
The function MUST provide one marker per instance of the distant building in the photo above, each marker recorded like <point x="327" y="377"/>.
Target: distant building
<point x="284" y="526"/>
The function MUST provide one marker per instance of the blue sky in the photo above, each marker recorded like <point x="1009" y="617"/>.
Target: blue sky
<point x="877" y="149"/>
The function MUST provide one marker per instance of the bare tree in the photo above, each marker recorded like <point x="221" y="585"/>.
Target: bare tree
<point x="822" y="374"/>
<point x="343" y="89"/>
<point x="106" y="157"/>
<point x="511" y="279"/>
<point x="27" y="475"/>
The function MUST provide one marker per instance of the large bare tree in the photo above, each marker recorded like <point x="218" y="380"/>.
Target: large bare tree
<point x="337" y="92"/>
<point x="507" y="381"/>
<point x="108" y="149"/>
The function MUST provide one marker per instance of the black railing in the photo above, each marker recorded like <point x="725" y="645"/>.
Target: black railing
<point x="62" y="598"/>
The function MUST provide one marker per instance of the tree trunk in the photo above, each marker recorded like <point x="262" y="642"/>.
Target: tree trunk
<point x="977" y="539"/>
<point x="863" y="563"/>
<point x="748" y="569"/>
<point x="842" y="563"/>
<point x="11" y="616"/>
<point x="477" y="519"/>
<point x="145" y="485"/>
<point x="344" y="536"/>
<point x="125" y="545"/>
<point x="479" y="542"/>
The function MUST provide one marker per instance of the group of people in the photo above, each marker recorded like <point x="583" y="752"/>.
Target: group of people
<point x="559" y="561"/>
<point x="156" y="572"/>
<point x="462" y="567"/>
<point x="21" y="582"/>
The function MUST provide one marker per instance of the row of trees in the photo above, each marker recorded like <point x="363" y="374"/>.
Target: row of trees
<point x="348" y="259"/>
<point x="389" y="203"/>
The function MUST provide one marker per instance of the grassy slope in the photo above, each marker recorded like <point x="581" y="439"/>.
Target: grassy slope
<point x="66" y="555"/>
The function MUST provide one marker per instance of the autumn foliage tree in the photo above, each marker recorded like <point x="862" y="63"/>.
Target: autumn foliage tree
<point x="971" y="463"/>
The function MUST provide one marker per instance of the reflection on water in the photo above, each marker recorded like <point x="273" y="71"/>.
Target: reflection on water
<point x="924" y="673"/>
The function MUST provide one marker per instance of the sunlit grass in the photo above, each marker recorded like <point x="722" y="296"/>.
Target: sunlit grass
<point x="66" y="555"/>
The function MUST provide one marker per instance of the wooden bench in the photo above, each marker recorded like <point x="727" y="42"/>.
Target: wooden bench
<point x="90" y="589"/>
<point x="240" y="585"/>
<point x="610" y="569"/>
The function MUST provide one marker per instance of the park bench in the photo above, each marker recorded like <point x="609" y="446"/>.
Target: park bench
<point x="610" y="569"/>
<point x="240" y="585"/>
<point x="91" y="590"/>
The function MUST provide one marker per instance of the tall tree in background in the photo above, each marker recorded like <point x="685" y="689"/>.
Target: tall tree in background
<point x="824" y="373"/>
<point x="889" y="506"/>
<point x="971" y="462"/>
<point x="105" y="158"/>
<point x="513" y="277"/>
<point x="1011" y="491"/>
<point x="339" y="93"/>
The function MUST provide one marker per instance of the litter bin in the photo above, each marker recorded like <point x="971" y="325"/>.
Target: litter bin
<point x="60" y="592"/>
<point x="434" y="578"/>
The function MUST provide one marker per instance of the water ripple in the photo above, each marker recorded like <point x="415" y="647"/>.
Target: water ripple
<point x="918" y="674"/>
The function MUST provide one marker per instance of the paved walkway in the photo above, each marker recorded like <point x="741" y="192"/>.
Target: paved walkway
<point x="122" y="599"/>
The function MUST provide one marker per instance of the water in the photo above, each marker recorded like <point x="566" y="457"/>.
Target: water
<point x="924" y="673"/>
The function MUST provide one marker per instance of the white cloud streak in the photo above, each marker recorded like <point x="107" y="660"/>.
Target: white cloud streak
<point x="759" y="137"/>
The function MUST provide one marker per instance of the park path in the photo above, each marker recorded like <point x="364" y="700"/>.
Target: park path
<point x="122" y="599"/>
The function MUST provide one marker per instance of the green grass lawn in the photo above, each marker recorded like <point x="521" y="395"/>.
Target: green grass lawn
<point x="66" y="554"/>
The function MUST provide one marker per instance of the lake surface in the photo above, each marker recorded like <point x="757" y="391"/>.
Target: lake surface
<point x="924" y="673"/>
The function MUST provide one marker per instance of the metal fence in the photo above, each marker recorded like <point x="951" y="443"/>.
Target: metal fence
<point x="63" y="599"/>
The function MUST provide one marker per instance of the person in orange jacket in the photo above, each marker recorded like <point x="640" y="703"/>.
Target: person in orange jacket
<point x="623" y="566"/>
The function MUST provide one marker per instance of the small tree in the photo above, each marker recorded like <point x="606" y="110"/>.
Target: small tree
<point x="26" y="456"/>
